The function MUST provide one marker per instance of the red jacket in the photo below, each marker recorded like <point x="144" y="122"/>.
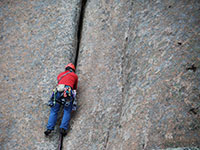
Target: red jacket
<point x="70" y="79"/>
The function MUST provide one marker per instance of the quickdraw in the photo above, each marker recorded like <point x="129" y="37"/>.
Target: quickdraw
<point x="64" y="97"/>
<point x="54" y="96"/>
<point x="67" y="92"/>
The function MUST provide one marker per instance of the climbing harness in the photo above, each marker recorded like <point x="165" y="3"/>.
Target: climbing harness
<point x="63" y="98"/>
<point x="65" y="93"/>
<point x="60" y="87"/>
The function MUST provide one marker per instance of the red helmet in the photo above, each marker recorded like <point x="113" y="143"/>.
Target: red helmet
<point x="71" y="66"/>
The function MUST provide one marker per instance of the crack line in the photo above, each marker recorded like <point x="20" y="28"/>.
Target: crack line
<point x="79" y="32"/>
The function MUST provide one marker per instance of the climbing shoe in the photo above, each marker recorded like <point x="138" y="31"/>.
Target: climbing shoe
<point x="63" y="131"/>
<point x="47" y="132"/>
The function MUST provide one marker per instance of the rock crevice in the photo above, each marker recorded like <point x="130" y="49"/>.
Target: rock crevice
<point x="79" y="29"/>
<point x="138" y="67"/>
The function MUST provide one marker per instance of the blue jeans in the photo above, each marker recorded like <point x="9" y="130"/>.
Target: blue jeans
<point x="54" y="113"/>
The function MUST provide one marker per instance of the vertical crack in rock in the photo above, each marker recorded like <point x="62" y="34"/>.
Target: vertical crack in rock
<point x="123" y="70"/>
<point x="106" y="142"/>
<point x="193" y="68"/>
<point x="79" y="32"/>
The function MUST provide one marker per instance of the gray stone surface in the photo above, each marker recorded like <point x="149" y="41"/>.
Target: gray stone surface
<point x="182" y="148"/>
<point x="138" y="73"/>
<point x="139" y="76"/>
<point x="37" y="39"/>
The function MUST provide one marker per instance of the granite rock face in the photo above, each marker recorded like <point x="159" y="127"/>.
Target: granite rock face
<point x="138" y="71"/>
<point x="37" y="39"/>
<point x="139" y="76"/>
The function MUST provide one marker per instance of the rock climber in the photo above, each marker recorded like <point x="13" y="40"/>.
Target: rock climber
<point x="63" y="94"/>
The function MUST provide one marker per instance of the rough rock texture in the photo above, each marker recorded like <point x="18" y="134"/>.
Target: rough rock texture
<point x="138" y="67"/>
<point x="37" y="39"/>
<point x="139" y="76"/>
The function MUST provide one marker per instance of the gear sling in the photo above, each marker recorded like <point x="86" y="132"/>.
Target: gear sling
<point x="62" y="94"/>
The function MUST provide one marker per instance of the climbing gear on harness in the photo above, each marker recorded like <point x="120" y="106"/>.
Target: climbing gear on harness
<point x="67" y="91"/>
<point x="54" y="96"/>
<point x="64" y="98"/>
<point x="50" y="103"/>
<point x="67" y="94"/>
<point x="60" y="87"/>
<point x="74" y="93"/>
<point x="74" y="106"/>
<point x="71" y="66"/>
<point x="67" y="103"/>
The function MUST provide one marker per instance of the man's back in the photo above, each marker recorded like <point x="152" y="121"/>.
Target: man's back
<point x="71" y="79"/>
